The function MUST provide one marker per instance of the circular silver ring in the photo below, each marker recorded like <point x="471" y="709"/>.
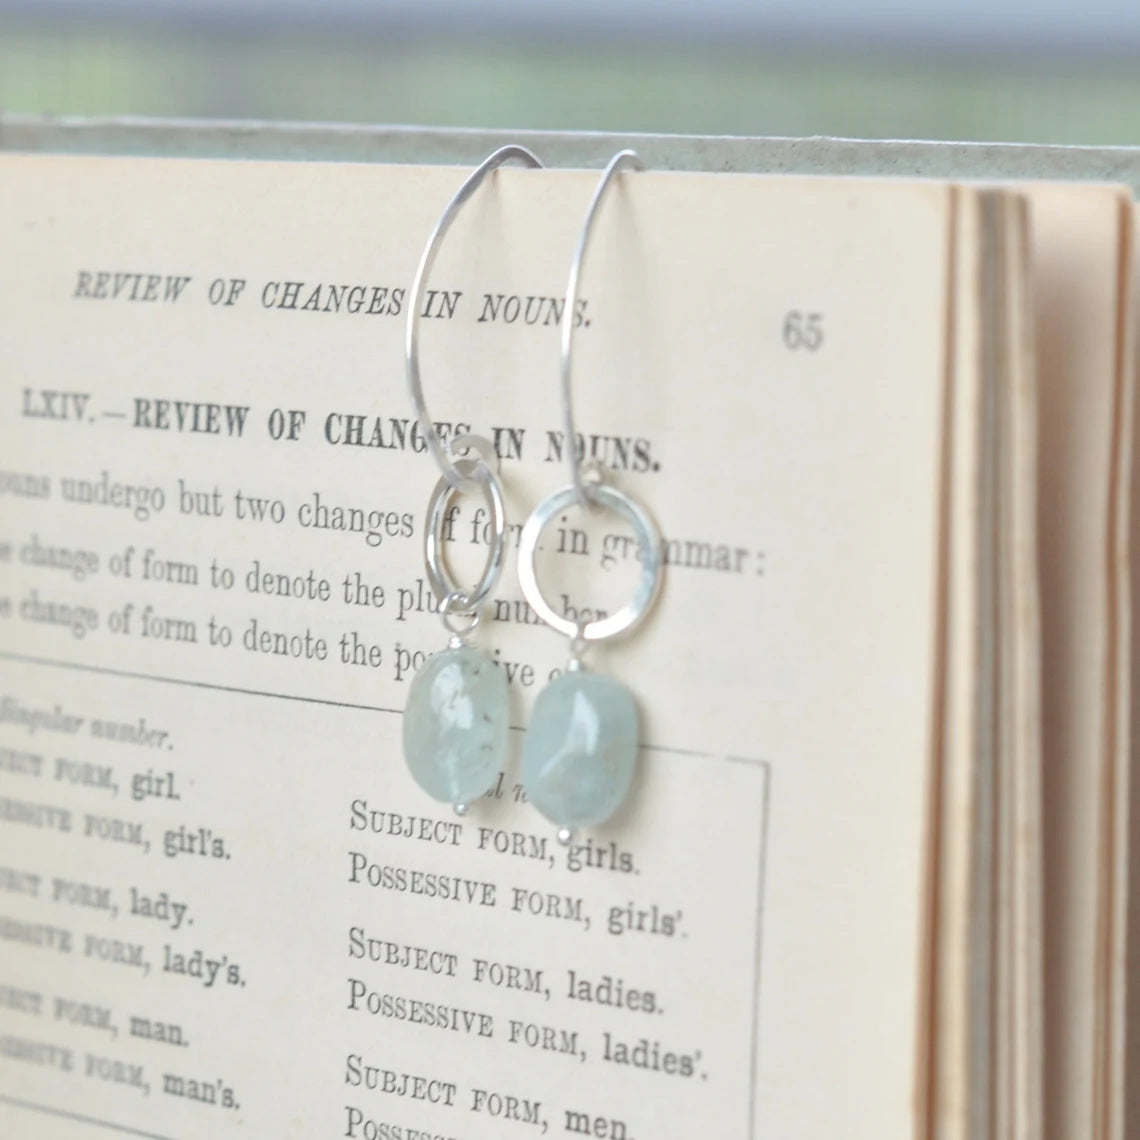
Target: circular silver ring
<point x="474" y="473"/>
<point x="649" y="547"/>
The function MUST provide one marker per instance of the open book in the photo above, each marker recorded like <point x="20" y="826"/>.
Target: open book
<point x="871" y="878"/>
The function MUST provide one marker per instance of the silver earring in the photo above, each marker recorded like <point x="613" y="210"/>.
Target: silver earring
<point x="580" y="748"/>
<point x="456" y="721"/>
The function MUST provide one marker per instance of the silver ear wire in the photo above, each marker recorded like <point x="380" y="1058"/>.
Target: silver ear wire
<point x="443" y="458"/>
<point x="624" y="159"/>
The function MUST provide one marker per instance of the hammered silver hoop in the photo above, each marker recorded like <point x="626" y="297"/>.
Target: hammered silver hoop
<point x="649" y="550"/>
<point x="452" y="598"/>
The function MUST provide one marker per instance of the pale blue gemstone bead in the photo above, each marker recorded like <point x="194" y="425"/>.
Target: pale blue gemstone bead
<point x="456" y="724"/>
<point x="580" y="749"/>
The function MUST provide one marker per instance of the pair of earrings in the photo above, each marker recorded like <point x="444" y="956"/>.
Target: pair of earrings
<point x="580" y="748"/>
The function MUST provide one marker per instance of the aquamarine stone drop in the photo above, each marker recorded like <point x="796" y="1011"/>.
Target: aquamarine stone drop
<point x="580" y="749"/>
<point x="455" y="725"/>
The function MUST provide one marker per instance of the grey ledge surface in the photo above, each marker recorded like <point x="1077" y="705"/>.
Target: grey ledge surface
<point x="307" y="142"/>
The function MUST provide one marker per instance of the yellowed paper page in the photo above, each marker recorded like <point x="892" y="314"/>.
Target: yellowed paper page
<point x="226" y="907"/>
<point x="985" y="1021"/>
<point x="1019" y="863"/>
<point x="959" y="1009"/>
<point x="1080" y="261"/>
<point x="1118" y="777"/>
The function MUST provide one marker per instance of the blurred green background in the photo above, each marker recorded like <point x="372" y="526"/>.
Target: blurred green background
<point x="131" y="60"/>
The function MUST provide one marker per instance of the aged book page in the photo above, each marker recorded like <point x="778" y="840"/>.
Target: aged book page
<point x="1016" y="1076"/>
<point x="1081" y="267"/>
<point x="985" y="1017"/>
<point x="959" y="1061"/>
<point x="1129" y="801"/>
<point x="225" y="907"/>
